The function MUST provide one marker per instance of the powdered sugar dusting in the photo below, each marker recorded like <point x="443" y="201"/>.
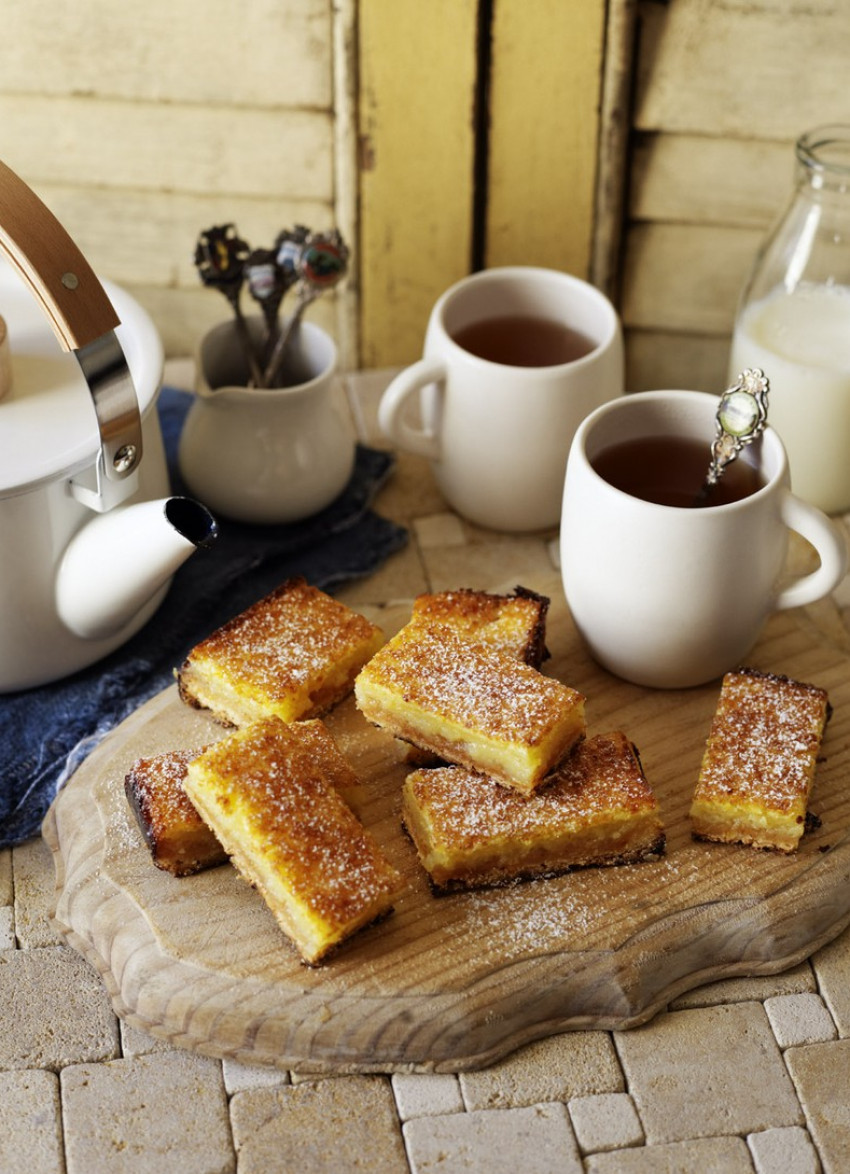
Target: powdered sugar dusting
<point x="275" y="778"/>
<point x="476" y="686"/>
<point x="764" y="740"/>
<point x="288" y="640"/>
<point x="601" y="777"/>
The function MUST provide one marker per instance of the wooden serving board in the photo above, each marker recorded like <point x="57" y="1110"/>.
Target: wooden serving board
<point x="456" y="982"/>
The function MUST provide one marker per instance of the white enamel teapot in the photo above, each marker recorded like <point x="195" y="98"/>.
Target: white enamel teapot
<point x="89" y="537"/>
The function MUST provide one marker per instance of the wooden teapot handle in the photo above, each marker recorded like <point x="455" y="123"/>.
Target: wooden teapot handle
<point x="56" y="271"/>
<point x="84" y="321"/>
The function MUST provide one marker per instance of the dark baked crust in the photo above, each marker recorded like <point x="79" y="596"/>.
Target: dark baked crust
<point x="178" y="839"/>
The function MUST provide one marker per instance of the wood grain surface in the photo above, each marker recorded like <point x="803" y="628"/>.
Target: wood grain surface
<point x="456" y="982"/>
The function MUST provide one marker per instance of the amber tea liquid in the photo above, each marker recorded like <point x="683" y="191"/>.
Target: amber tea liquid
<point x="670" y="470"/>
<point x="518" y="340"/>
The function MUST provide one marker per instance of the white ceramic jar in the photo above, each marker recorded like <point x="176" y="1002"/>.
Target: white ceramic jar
<point x="267" y="455"/>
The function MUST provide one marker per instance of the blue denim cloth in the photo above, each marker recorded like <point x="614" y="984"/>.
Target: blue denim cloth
<point x="46" y="732"/>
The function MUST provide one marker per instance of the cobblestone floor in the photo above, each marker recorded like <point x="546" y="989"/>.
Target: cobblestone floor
<point x="742" y="1075"/>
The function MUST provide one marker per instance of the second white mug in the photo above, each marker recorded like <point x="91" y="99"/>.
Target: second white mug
<point x="670" y="596"/>
<point x="495" y="420"/>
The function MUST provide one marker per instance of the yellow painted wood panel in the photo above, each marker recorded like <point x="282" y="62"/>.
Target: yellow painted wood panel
<point x="417" y="87"/>
<point x="544" y="120"/>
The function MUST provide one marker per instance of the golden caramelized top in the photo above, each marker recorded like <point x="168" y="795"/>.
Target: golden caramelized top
<point x="277" y="777"/>
<point x="515" y="624"/>
<point x="764" y="740"/>
<point x="285" y="641"/>
<point x="602" y="775"/>
<point x="470" y="684"/>
<point x="155" y="787"/>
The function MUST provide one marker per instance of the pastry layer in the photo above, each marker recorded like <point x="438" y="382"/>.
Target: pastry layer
<point x="514" y="624"/>
<point x="293" y="654"/>
<point x="597" y="809"/>
<point x="470" y="705"/>
<point x="268" y="791"/>
<point x="759" y="761"/>
<point x="179" y="840"/>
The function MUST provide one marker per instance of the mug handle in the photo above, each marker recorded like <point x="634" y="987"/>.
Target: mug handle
<point x="423" y="441"/>
<point x="827" y="539"/>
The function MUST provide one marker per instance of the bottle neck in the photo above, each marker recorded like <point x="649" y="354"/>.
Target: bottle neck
<point x="823" y="159"/>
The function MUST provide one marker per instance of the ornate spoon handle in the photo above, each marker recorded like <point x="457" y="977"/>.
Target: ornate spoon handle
<point x="741" y="419"/>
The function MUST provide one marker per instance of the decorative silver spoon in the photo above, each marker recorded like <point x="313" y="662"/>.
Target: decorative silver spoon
<point x="741" y="419"/>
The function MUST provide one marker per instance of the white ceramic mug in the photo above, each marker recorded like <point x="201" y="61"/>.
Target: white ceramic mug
<point x="668" y="596"/>
<point x="497" y="433"/>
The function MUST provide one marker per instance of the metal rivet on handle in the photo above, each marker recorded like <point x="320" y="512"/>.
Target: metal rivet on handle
<point x="70" y="280"/>
<point x="124" y="458"/>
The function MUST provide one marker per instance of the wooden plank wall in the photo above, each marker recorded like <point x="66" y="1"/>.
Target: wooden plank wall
<point x="140" y="124"/>
<point x="444" y="190"/>
<point x="721" y="93"/>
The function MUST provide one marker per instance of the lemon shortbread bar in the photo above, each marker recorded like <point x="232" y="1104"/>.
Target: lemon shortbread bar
<point x="759" y="762"/>
<point x="179" y="840"/>
<point x="269" y="793"/>
<point x="293" y="654"/>
<point x="597" y="809"/>
<point x="471" y="705"/>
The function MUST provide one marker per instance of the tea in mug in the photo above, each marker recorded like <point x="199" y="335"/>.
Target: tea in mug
<point x="518" y="340"/>
<point x="670" y="470"/>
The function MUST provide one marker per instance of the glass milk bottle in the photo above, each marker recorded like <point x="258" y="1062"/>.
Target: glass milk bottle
<point x="794" y="321"/>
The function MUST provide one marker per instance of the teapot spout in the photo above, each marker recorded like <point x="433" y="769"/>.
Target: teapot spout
<point x="118" y="561"/>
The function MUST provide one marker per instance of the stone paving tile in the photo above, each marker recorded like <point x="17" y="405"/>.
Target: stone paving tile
<point x="324" y="1127"/>
<point x="576" y="1063"/>
<point x="535" y="1140"/>
<point x="34" y="874"/>
<point x="799" y="1019"/>
<point x="608" y="1121"/>
<point x="126" y="1116"/>
<point x="445" y="529"/>
<point x="30" y="1134"/>
<point x="832" y="966"/>
<point x="7" y="927"/>
<point x="365" y="389"/>
<point x="33" y="985"/>
<point x="135" y="1042"/>
<point x="685" y="1069"/>
<point x="6" y="890"/>
<point x="821" y="1075"/>
<point x="401" y="577"/>
<point x="783" y="1151"/>
<point x="410" y="492"/>
<point x="798" y="980"/>
<point x="304" y="1076"/>
<point x="710" y="1155"/>
<point x="426" y="1095"/>
<point x="239" y="1077"/>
